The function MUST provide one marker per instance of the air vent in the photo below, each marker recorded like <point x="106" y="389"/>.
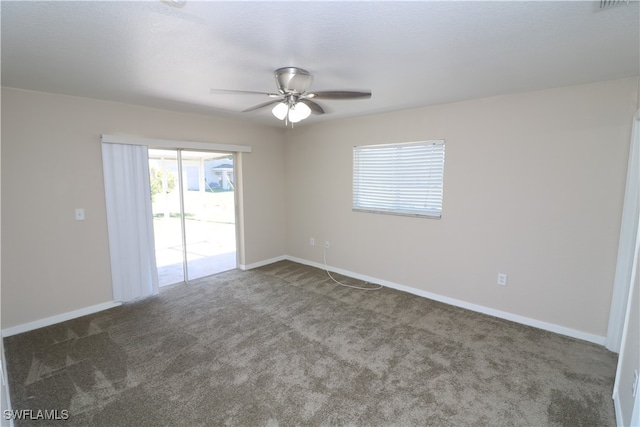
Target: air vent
<point x="608" y="4"/>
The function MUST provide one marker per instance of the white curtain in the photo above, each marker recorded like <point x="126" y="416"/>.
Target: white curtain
<point x="129" y="219"/>
<point x="627" y="243"/>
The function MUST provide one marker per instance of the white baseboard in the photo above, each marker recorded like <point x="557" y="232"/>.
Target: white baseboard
<point x="48" y="321"/>
<point x="261" y="263"/>
<point x="573" y="333"/>
<point x="596" y="339"/>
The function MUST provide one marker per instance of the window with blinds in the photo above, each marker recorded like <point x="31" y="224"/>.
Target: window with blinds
<point x="399" y="179"/>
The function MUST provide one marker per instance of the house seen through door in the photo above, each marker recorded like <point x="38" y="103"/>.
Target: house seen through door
<point x="193" y="201"/>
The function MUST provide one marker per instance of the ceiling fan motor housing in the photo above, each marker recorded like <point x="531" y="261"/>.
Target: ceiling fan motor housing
<point x="292" y="80"/>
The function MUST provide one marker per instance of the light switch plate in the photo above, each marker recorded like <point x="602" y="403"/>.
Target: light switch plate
<point x="79" y="214"/>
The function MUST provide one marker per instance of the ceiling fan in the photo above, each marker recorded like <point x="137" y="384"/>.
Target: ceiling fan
<point x="292" y="102"/>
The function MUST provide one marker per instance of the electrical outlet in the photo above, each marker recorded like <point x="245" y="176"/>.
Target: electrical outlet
<point x="502" y="279"/>
<point x="312" y="241"/>
<point x="326" y="244"/>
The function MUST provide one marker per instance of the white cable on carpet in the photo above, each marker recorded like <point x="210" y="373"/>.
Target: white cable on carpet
<point x="324" y="254"/>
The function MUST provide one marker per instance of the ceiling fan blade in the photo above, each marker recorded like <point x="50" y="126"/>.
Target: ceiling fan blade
<point x="339" y="94"/>
<point x="315" y="108"/>
<point x="263" y="105"/>
<point x="246" y="92"/>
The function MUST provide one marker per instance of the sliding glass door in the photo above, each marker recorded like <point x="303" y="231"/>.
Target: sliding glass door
<point x="193" y="200"/>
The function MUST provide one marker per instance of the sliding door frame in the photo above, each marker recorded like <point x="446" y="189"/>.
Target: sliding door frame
<point x="183" y="224"/>
<point x="234" y="149"/>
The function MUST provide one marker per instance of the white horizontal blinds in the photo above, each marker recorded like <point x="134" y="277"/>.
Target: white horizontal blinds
<point x="403" y="179"/>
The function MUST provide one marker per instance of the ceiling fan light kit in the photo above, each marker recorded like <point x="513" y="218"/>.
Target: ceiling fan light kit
<point x="294" y="112"/>
<point x="280" y="110"/>
<point x="299" y="112"/>
<point x="295" y="103"/>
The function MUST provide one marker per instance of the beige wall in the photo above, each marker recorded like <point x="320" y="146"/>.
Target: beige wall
<point x="533" y="188"/>
<point x="51" y="164"/>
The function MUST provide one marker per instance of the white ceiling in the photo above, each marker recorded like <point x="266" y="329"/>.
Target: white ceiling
<point x="408" y="54"/>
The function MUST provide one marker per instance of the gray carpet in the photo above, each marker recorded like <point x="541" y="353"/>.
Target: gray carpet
<point x="283" y="345"/>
